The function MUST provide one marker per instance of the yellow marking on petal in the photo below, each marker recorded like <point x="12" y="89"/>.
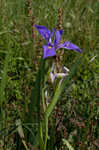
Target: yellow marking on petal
<point x="61" y="42"/>
<point x="49" y="47"/>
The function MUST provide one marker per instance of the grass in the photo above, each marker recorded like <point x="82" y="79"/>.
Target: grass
<point x="20" y="52"/>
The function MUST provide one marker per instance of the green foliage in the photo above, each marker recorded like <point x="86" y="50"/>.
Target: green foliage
<point x="68" y="144"/>
<point x="20" y="90"/>
<point x="34" y="106"/>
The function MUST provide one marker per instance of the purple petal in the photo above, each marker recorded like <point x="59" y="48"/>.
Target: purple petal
<point x="48" y="51"/>
<point x="69" y="46"/>
<point x="44" y="32"/>
<point x="57" y="38"/>
<point x="52" y="76"/>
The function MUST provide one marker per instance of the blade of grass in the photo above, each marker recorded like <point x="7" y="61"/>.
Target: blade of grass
<point x="68" y="144"/>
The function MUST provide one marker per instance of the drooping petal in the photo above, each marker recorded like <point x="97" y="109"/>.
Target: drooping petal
<point x="44" y="32"/>
<point x="69" y="46"/>
<point x="52" y="76"/>
<point x="66" y="69"/>
<point x="57" y="38"/>
<point x="48" y="51"/>
<point x="60" y="75"/>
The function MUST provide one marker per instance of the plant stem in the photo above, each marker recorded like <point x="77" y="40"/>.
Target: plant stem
<point x="46" y="132"/>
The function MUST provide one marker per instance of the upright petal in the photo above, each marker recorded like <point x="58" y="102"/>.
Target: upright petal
<point x="51" y="34"/>
<point x="48" y="51"/>
<point x="69" y="46"/>
<point x="57" y="38"/>
<point x="44" y="32"/>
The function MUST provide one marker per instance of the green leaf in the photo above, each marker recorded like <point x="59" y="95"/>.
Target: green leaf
<point x="67" y="144"/>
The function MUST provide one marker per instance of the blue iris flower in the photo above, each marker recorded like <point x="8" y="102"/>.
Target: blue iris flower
<point x="51" y="47"/>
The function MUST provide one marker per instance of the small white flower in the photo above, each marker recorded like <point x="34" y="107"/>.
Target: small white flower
<point x="54" y="75"/>
<point x="60" y="75"/>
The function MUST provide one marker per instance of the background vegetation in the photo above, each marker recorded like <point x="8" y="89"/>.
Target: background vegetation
<point x="20" y="49"/>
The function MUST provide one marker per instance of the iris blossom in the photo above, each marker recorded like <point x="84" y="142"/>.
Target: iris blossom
<point x="51" y="47"/>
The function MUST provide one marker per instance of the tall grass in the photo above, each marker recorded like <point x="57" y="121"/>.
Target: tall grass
<point x="20" y="89"/>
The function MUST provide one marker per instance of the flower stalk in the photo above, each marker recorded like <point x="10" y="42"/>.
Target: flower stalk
<point x="50" y="50"/>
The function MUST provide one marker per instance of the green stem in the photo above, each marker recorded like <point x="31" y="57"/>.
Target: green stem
<point x="43" y="101"/>
<point x="46" y="132"/>
<point x="41" y="138"/>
